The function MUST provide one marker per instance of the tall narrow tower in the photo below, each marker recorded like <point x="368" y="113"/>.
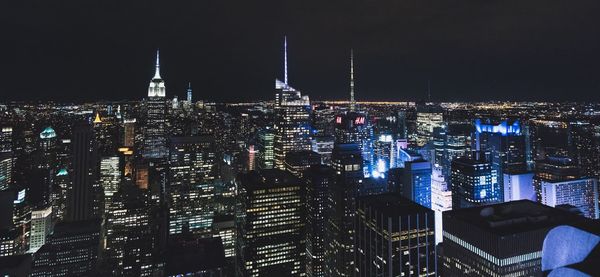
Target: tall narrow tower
<point x="155" y="137"/>
<point x="189" y="92"/>
<point x="352" y="100"/>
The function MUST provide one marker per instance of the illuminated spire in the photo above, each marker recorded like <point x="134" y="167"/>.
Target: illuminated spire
<point x="157" y="72"/>
<point x="97" y="119"/>
<point x="285" y="72"/>
<point x="352" y="101"/>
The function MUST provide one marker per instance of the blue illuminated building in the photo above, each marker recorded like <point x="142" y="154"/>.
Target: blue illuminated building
<point x="418" y="175"/>
<point x="474" y="182"/>
<point x="505" y="145"/>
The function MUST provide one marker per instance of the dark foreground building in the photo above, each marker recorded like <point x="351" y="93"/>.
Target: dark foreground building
<point x="395" y="237"/>
<point x="72" y="250"/>
<point x="270" y="224"/>
<point x="498" y="240"/>
<point x="196" y="257"/>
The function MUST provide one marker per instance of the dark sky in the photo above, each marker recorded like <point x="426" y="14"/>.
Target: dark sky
<point x="231" y="50"/>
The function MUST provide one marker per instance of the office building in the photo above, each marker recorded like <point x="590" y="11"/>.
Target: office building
<point x="416" y="182"/>
<point x="504" y="143"/>
<point x="581" y="193"/>
<point x="155" y="136"/>
<point x="474" y="182"/>
<point x="6" y="167"/>
<point x="266" y="156"/>
<point x="323" y="145"/>
<point x="130" y="243"/>
<point x="296" y="162"/>
<point x="192" y="170"/>
<point x="224" y="228"/>
<point x="394" y="237"/>
<point x="498" y="240"/>
<point x="72" y="250"/>
<point x="318" y="180"/>
<point x="518" y="186"/>
<point x="83" y="200"/>
<point x="553" y="169"/>
<point x="292" y="119"/>
<point x="441" y="199"/>
<point x="198" y="257"/>
<point x="347" y="163"/>
<point x="428" y="118"/>
<point x="110" y="177"/>
<point x="41" y="227"/>
<point x="271" y="224"/>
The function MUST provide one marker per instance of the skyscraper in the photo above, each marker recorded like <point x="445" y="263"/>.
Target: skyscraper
<point x="441" y="199"/>
<point x="6" y="167"/>
<point x="498" y="240"/>
<point x="155" y="137"/>
<point x="341" y="209"/>
<point x="394" y="237"/>
<point x="192" y="170"/>
<point x="72" y="250"/>
<point x="297" y="162"/>
<point x="83" y="201"/>
<point x="474" y="182"/>
<point x="110" y="177"/>
<point x="129" y="232"/>
<point x="266" y="156"/>
<point x="416" y="179"/>
<point x="189" y="93"/>
<point x="292" y="120"/>
<point x="581" y="193"/>
<point x="428" y="118"/>
<point x="505" y="144"/>
<point x="553" y="169"/>
<point x="318" y="180"/>
<point x="41" y="227"/>
<point x="270" y="222"/>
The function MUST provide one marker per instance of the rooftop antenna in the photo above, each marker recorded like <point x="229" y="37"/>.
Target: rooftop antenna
<point x="285" y="71"/>
<point x="157" y="72"/>
<point x="352" y="100"/>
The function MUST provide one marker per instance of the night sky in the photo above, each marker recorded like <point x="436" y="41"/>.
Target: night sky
<point x="232" y="50"/>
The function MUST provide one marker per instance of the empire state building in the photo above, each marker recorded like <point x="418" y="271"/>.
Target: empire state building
<point x="155" y="138"/>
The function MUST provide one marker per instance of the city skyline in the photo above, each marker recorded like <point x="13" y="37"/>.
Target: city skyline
<point x="231" y="51"/>
<point x="326" y="139"/>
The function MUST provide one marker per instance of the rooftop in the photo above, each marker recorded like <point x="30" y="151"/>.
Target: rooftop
<point x="513" y="217"/>
<point x="391" y="204"/>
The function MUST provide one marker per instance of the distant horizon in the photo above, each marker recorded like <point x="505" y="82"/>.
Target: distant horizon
<point x="232" y="50"/>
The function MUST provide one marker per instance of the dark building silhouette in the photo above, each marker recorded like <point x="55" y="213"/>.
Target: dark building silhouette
<point x="341" y="208"/>
<point x="318" y="178"/>
<point x="72" y="250"/>
<point x="82" y="203"/>
<point x="270" y="224"/>
<point x="498" y="240"/>
<point x="394" y="237"/>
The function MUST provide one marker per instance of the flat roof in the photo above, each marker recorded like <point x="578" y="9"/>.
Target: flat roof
<point x="391" y="204"/>
<point x="513" y="217"/>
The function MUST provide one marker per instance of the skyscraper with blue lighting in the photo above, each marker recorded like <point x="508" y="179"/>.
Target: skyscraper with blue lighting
<point x="474" y="182"/>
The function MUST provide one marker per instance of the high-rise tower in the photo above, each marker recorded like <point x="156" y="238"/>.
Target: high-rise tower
<point x="189" y="92"/>
<point x="292" y="119"/>
<point x="155" y="141"/>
